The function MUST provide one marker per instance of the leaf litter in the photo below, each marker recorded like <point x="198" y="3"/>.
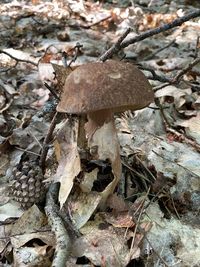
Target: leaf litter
<point x="153" y="142"/>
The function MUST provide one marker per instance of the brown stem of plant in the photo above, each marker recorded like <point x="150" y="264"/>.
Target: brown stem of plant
<point x="47" y="140"/>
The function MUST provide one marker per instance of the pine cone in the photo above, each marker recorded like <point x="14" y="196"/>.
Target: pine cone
<point x="27" y="186"/>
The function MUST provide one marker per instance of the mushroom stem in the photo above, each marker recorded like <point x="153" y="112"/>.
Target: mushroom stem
<point x="96" y="120"/>
<point x="103" y="144"/>
<point x="81" y="140"/>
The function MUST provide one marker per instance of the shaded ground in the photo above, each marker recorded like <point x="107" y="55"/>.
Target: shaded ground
<point x="153" y="218"/>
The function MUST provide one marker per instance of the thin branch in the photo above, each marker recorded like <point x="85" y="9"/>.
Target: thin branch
<point x="47" y="140"/>
<point x="159" y="50"/>
<point x="169" y="160"/>
<point x="77" y="49"/>
<point x="163" y="28"/>
<point x="18" y="59"/>
<point x="52" y="91"/>
<point x="141" y="230"/>
<point x="122" y="44"/>
<point x="185" y="70"/>
<point x="154" y="76"/>
<point x="168" y="81"/>
<point x="87" y="26"/>
<point x="115" y="47"/>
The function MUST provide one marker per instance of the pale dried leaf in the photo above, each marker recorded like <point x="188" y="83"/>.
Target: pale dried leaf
<point x="105" y="141"/>
<point x="82" y="206"/>
<point x="10" y="209"/>
<point x="192" y="127"/>
<point x="47" y="237"/>
<point x="46" y="72"/>
<point x="88" y="180"/>
<point x="32" y="218"/>
<point x="69" y="161"/>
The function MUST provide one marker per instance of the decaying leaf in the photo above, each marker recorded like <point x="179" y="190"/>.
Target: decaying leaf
<point x="68" y="157"/>
<point x="106" y="245"/>
<point x="61" y="74"/>
<point x="103" y="247"/>
<point x="122" y="219"/>
<point x="88" y="180"/>
<point x="82" y="206"/>
<point x="33" y="256"/>
<point x="105" y="143"/>
<point x="32" y="218"/>
<point x="192" y="127"/>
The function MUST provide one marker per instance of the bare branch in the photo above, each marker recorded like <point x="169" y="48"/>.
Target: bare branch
<point x="163" y="28"/>
<point x="45" y="145"/>
<point x="122" y="44"/>
<point x="159" y="50"/>
<point x="185" y="70"/>
<point x="18" y="59"/>
<point x="114" y="48"/>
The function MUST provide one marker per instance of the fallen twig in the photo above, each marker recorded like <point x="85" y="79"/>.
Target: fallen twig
<point x="180" y="74"/>
<point x="18" y="59"/>
<point x="45" y="146"/>
<point x="52" y="91"/>
<point x="115" y="47"/>
<point x="159" y="50"/>
<point x="168" y="81"/>
<point x="141" y="230"/>
<point x="163" y="28"/>
<point x="58" y="227"/>
<point x="87" y="26"/>
<point x="186" y="169"/>
<point x="154" y="76"/>
<point x="122" y="44"/>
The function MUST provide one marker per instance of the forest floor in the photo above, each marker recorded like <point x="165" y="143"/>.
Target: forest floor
<point x="153" y="217"/>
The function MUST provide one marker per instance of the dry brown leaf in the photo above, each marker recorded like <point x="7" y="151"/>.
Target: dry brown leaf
<point x="117" y="203"/>
<point x="68" y="157"/>
<point x="122" y="219"/>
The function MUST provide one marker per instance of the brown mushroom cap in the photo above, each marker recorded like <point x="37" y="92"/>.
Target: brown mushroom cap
<point x="113" y="85"/>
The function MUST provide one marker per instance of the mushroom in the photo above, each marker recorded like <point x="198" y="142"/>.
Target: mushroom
<point x="98" y="90"/>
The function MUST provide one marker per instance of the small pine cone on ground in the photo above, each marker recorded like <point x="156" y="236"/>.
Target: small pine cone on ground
<point x="27" y="185"/>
